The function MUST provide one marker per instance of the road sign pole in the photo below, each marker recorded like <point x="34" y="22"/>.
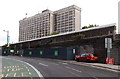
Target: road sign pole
<point x="108" y="45"/>
<point x="108" y="52"/>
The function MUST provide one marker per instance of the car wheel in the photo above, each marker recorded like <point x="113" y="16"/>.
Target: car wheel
<point x="77" y="60"/>
<point x="88" y="60"/>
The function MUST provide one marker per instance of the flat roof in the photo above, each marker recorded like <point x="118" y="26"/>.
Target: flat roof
<point x="66" y="33"/>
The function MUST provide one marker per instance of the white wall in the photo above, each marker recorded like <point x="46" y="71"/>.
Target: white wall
<point x="119" y="17"/>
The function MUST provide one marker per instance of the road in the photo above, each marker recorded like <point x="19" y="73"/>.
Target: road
<point x="50" y="68"/>
<point x="16" y="68"/>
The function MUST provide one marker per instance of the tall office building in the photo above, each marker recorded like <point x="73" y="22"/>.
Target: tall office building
<point x="42" y="24"/>
<point x="68" y="19"/>
<point x="36" y="26"/>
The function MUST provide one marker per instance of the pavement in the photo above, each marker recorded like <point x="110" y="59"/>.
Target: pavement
<point x="110" y="66"/>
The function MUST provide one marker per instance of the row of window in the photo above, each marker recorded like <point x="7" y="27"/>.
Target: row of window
<point x="66" y="13"/>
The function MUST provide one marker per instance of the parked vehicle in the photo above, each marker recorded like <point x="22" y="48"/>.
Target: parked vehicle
<point x="87" y="57"/>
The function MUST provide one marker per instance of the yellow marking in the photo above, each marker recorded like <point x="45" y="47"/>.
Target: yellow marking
<point x="2" y="75"/>
<point x="4" y="67"/>
<point x="6" y="75"/>
<point x="12" y="69"/>
<point x="22" y="74"/>
<point x="18" y="69"/>
<point x="29" y="73"/>
<point x="8" y="70"/>
<point x="14" y="74"/>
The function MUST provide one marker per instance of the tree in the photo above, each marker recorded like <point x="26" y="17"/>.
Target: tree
<point x="85" y="27"/>
<point x="54" y="33"/>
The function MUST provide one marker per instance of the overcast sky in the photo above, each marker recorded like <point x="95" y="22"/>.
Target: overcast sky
<point x="100" y="12"/>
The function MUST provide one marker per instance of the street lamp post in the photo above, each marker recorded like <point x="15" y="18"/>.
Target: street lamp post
<point x="7" y="36"/>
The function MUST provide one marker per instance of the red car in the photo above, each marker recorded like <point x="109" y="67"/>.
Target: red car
<point x="86" y="57"/>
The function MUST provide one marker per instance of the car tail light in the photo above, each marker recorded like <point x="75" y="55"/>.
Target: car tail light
<point x="77" y="56"/>
<point x="96" y="57"/>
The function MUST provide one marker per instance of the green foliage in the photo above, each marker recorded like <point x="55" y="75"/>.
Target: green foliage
<point x="54" y="33"/>
<point x="85" y="27"/>
<point x="80" y="36"/>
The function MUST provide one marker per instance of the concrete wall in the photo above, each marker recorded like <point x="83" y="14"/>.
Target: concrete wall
<point x="115" y="53"/>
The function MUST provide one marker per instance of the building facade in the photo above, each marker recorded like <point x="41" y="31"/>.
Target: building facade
<point x="36" y="26"/>
<point x="68" y="19"/>
<point x="45" y="23"/>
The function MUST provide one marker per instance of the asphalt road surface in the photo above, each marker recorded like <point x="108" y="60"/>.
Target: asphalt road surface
<point x="13" y="66"/>
<point x="16" y="68"/>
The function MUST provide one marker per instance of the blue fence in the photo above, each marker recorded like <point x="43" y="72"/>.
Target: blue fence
<point x="64" y="53"/>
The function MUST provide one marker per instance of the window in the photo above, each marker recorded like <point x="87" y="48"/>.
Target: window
<point x="70" y="17"/>
<point x="70" y="12"/>
<point x="83" y="55"/>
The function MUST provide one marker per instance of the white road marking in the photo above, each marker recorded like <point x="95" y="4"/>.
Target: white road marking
<point x="65" y="63"/>
<point x="43" y="64"/>
<point x="73" y="69"/>
<point x="39" y="74"/>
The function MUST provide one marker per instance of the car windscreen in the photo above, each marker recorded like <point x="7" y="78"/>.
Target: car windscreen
<point x="93" y="55"/>
<point x="84" y="55"/>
